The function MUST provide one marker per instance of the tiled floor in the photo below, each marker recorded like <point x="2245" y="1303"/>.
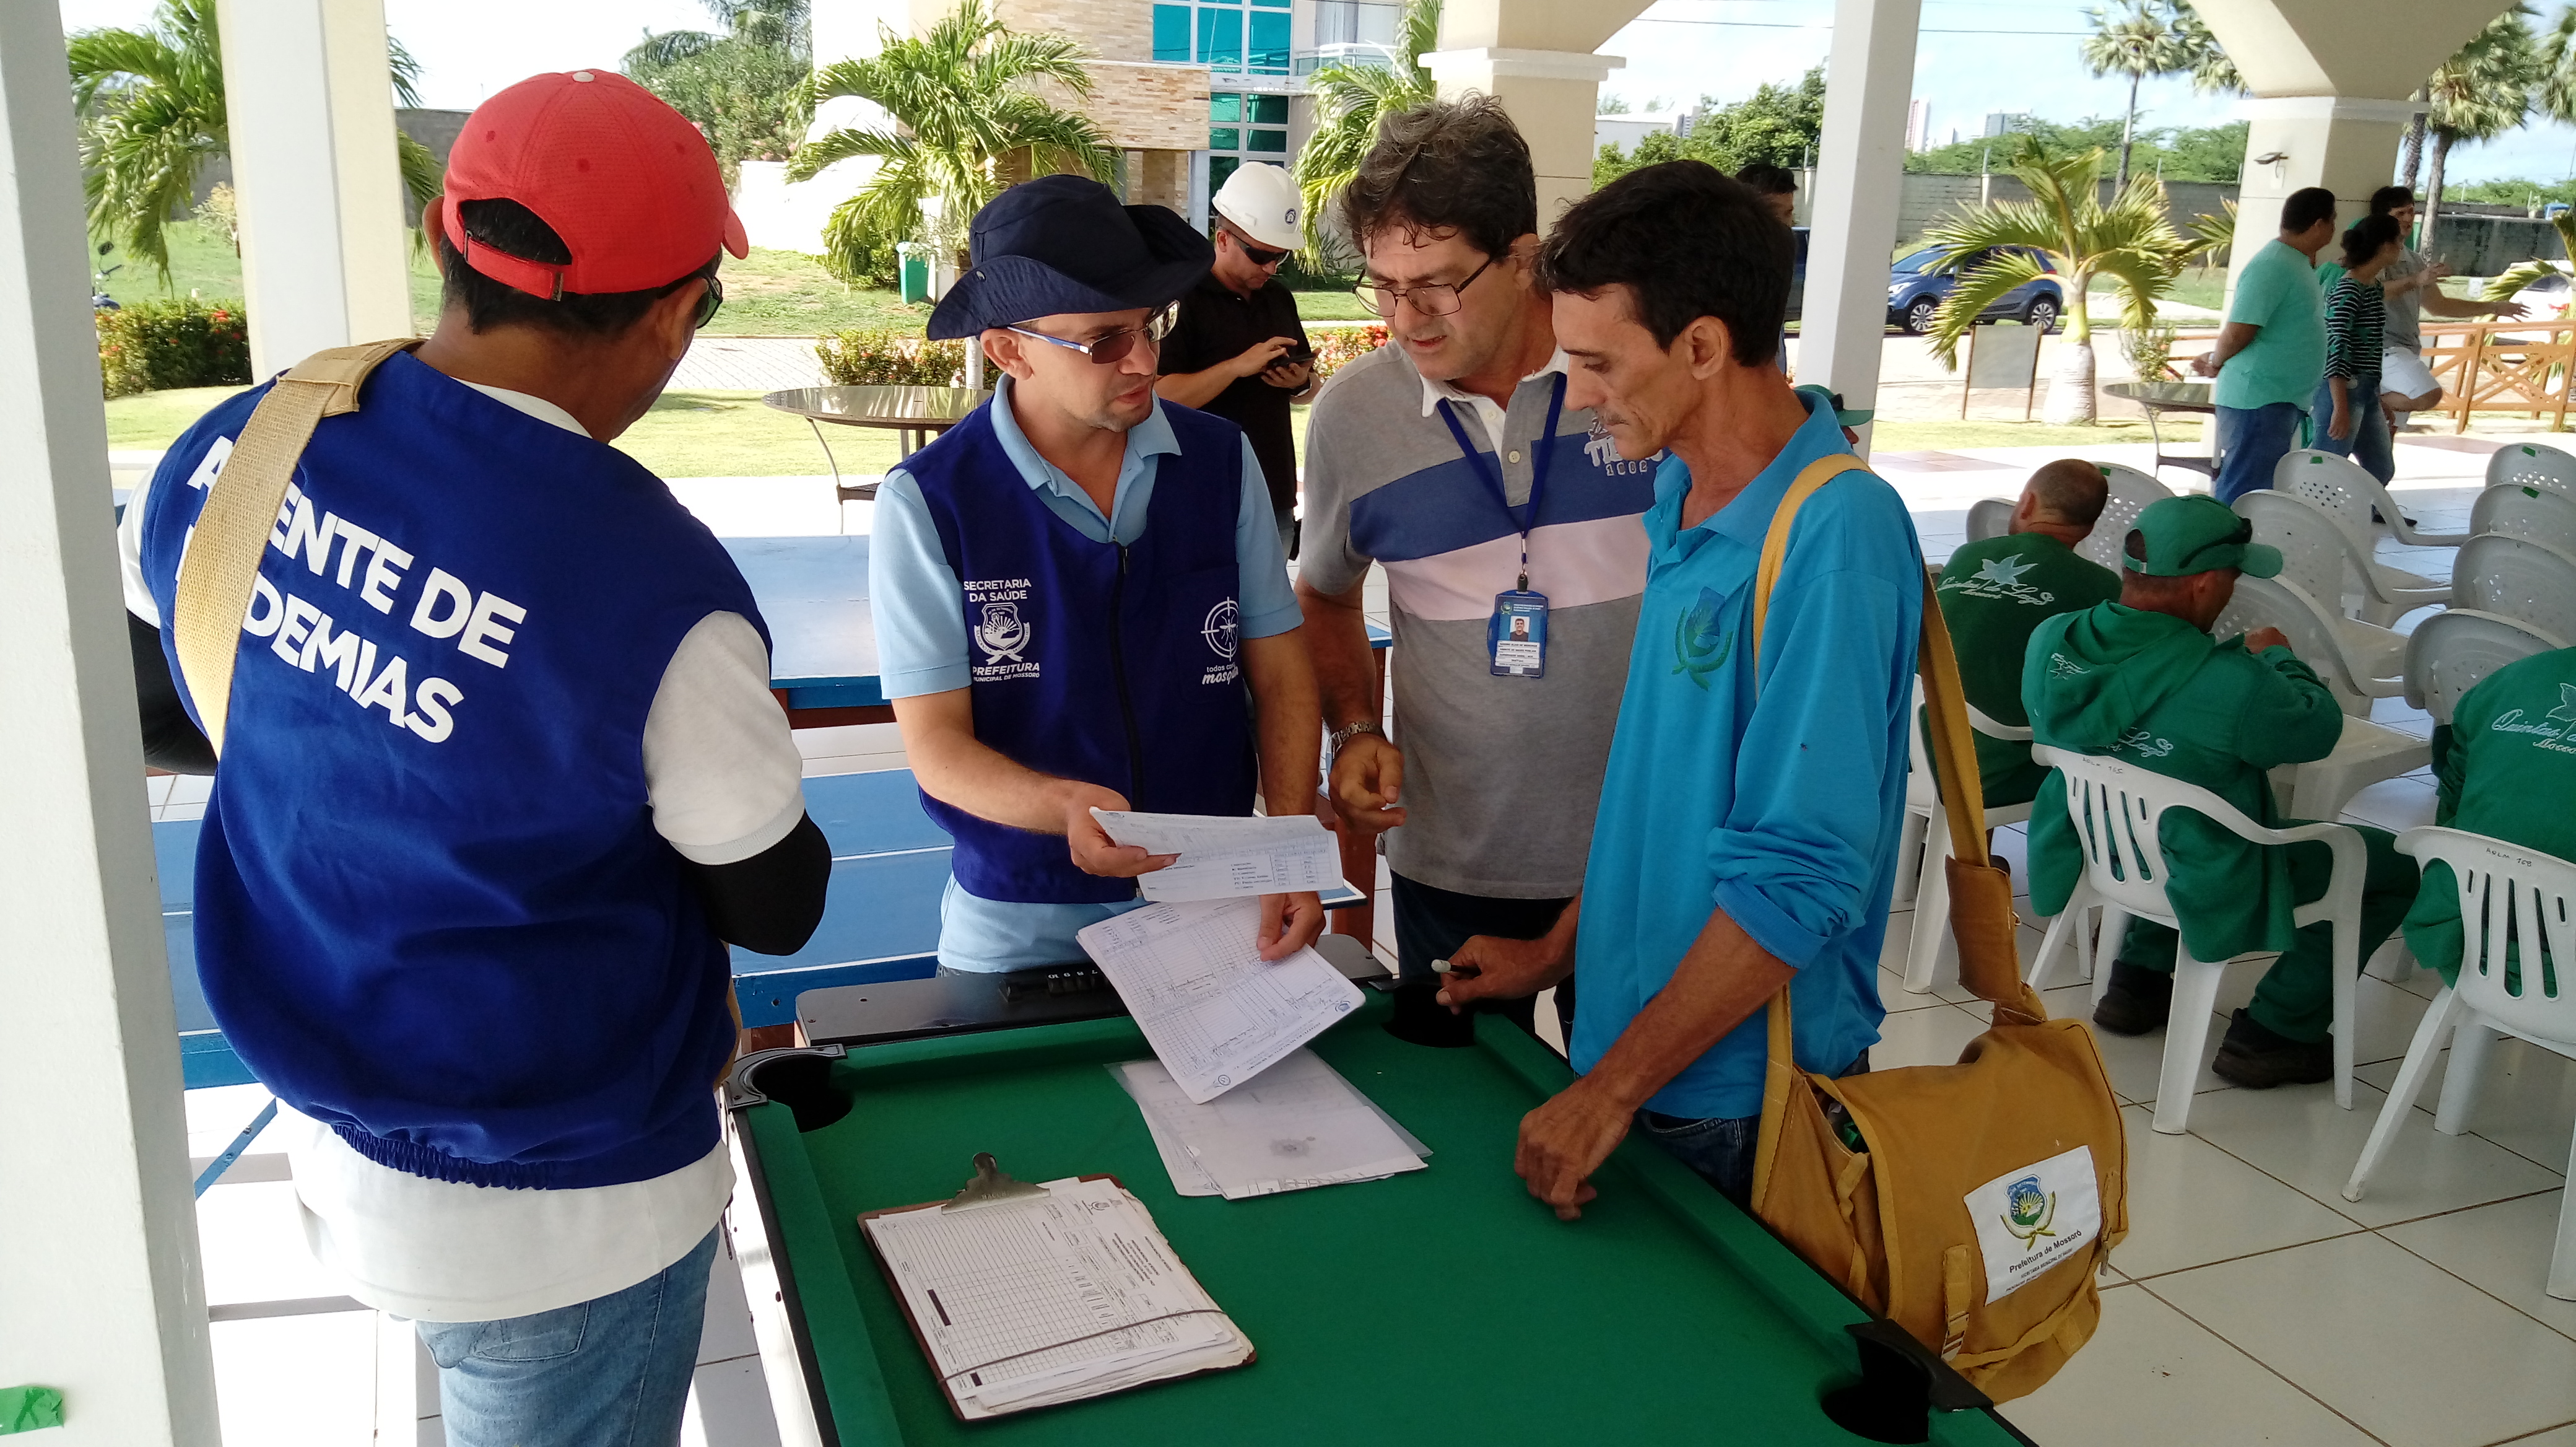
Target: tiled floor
<point x="2250" y="1303"/>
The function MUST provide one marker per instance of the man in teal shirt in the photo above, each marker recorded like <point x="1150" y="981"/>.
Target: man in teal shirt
<point x="1748" y="824"/>
<point x="2273" y="348"/>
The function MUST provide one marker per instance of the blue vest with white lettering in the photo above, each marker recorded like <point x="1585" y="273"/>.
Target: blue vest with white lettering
<point x="432" y="911"/>
<point x="1111" y="665"/>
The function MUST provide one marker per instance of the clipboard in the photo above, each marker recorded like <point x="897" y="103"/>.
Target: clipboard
<point x="991" y="1187"/>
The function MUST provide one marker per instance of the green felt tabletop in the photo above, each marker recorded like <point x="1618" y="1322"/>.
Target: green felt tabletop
<point x="1442" y="1305"/>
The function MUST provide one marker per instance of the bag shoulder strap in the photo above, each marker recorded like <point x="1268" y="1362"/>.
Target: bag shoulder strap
<point x="221" y="565"/>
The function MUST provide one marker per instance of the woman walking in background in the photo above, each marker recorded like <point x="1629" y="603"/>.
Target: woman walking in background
<point x="2347" y="416"/>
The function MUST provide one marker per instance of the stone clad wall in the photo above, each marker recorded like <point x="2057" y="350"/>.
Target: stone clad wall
<point x="1110" y="29"/>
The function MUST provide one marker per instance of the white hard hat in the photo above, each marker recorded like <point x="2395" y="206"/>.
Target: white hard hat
<point x="1263" y="204"/>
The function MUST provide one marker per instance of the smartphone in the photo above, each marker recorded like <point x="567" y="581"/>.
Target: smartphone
<point x="1297" y="356"/>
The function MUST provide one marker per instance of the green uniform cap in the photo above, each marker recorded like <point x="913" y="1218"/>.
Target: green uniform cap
<point x="2198" y="534"/>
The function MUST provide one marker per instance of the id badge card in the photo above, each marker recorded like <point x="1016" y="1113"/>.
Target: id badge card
<point x="1517" y="635"/>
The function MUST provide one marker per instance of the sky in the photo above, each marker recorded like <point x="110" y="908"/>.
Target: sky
<point x="1974" y="56"/>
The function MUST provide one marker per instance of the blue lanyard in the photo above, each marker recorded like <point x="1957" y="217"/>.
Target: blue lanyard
<point x="1524" y="517"/>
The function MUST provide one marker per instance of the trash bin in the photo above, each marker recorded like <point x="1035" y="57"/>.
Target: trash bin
<point x="912" y="269"/>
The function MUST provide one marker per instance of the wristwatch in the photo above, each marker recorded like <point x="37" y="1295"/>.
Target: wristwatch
<point x="1343" y="735"/>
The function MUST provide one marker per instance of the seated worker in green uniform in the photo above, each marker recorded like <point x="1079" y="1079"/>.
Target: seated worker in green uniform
<point x="2142" y="681"/>
<point x="1995" y="591"/>
<point x="2506" y="767"/>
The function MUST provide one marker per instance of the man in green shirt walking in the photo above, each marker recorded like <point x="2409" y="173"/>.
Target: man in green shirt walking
<point x="2272" y="349"/>
<point x="1996" y="591"/>
<point x="2141" y="680"/>
<point x="2506" y="765"/>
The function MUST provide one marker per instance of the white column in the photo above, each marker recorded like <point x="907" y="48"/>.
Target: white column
<point x="310" y="105"/>
<point x="1859" y="180"/>
<point x="100" y="1295"/>
<point x="2346" y="144"/>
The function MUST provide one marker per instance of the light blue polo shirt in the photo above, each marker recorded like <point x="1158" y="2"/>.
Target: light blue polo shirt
<point x="1784" y="813"/>
<point x="922" y="646"/>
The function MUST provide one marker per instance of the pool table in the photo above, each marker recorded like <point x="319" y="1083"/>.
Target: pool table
<point x="1439" y="1306"/>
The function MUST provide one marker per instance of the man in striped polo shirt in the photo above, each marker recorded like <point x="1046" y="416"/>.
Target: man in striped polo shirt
<point x="1509" y="529"/>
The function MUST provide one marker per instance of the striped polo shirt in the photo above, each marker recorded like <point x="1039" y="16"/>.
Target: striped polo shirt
<point x="1501" y="775"/>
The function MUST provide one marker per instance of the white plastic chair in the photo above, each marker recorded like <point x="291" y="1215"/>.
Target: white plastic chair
<point x="2357" y="661"/>
<point x="1989" y="517"/>
<point x="2320" y="555"/>
<point x="2454" y="650"/>
<point x="2118" y="811"/>
<point x="2131" y="491"/>
<point x="1931" y="954"/>
<point x="2346" y="491"/>
<point x="2518" y="511"/>
<point x="2507" y="893"/>
<point x="2518" y="578"/>
<point x="2532" y="464"/>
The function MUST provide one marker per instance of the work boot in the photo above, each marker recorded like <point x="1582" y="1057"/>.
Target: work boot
<point x="2258" y="1058"/>
<point x="2136" y="1001"/>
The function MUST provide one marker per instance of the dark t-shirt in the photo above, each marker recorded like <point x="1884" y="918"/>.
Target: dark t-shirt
<point x="1218" y="325"/>
<point x="1994" y="593"/>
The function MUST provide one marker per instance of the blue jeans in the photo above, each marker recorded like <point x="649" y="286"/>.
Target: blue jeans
<point x="610" y="1372"/>
<point x="2369" y="443"/>
<point x="2251" y="442"/>
<point x="1721" y="1147"/>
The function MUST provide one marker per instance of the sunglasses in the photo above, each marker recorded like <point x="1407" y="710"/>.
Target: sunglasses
<point x="710" y="302"/>
<point x="1259" y="254"/>
<point x="1114" y="346"/>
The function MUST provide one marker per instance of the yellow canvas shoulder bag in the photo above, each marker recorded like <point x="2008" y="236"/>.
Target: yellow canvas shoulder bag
<point x="1972" y="1204"/>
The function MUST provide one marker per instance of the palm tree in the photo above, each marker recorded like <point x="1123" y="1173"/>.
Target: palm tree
<point x="1350" y="99"/>
<point x="2137" y="42"/>
<point x="2212" y="73"/>
<point x="2478" y="94"/>
<point x="744" y="87"/>
<point x="152" y="107"/>
<point x="2130" y="240"/>
<point x="963" y="116"/>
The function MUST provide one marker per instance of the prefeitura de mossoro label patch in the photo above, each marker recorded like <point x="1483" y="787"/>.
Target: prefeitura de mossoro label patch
<point x="2031" y="1219"/>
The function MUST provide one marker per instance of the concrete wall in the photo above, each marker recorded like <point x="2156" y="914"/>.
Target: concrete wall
<point x="1929" y="198"/>
<point x="2484" y="245"/>
<point x="437" y="130"/>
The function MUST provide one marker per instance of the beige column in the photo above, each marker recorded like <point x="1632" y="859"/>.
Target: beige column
<point x="1536" y="56"/>
<point x="311" y="116"/>
<point x="2345" y="144"/>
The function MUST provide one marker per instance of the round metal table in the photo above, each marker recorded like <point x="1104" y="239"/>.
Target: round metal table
<point x="912" y="413"/>
<point x="2162" y="397"/>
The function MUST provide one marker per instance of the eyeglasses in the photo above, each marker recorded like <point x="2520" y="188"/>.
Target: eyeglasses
<point x="1114" y="346"/>
<point x="1437" y="299"/>
<point x="709" y="303"/>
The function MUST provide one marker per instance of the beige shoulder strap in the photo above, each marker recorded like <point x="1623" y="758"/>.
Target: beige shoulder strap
<point x="221" y="564"/>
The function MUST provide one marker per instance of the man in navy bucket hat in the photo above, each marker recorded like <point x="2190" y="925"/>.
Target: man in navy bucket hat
<point x="1079" y="592"/>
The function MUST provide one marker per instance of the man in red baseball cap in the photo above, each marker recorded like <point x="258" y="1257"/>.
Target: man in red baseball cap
<point x="502" y="778"/>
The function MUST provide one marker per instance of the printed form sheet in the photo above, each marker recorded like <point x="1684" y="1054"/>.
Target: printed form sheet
<point x="1054" y="1298"/>
<point x="1300" y="1125"/>
<point x="1222" y="856"/>
<point x="1216" y="1013"/>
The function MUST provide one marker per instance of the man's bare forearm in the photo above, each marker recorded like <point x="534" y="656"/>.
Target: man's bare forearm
<point x="1195" y="389"/>
<point x="956" y="769"/>
<point x="1345" y="666"/>
<point x="1286" y="721"/>
<point x="1722" y="979"/>
<point x="2233" y="337"/>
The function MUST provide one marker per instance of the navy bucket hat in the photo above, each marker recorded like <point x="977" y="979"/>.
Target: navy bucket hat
<point x="1064" y="244"/>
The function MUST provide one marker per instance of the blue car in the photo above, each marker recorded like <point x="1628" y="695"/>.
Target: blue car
<point x="1917" y="283"/>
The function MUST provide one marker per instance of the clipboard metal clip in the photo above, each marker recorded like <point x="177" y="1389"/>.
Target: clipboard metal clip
<point x="991" y="1186"/>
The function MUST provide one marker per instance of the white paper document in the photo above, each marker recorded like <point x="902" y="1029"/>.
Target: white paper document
<point x="1297" y="1126"/>
<point x="1055" y="1298"/>
<point x="1222" y="855"/>
<point x="1216" y="1013"/>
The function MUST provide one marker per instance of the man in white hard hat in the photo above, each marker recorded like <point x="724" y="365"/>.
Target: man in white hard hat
<point x="1238" y="350"/>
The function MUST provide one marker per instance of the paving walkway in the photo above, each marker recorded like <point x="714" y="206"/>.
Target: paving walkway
<point x="748" y="364"/>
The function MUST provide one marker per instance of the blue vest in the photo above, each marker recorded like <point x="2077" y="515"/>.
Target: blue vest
<point x="431" y="908"/>
<point x="1112" y="665"/>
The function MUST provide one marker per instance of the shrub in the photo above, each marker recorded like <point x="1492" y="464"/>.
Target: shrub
<point x="1336" y="347"/>
<point x="154" y="345"/>
<point x="889" y="359"/>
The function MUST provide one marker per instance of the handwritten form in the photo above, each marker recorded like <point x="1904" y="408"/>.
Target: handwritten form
<point x="1046" y="1299"/>
<point x="1299" y="1125"/>
<point x="1216" y="1013"/>
<point x="1223" y="855"/>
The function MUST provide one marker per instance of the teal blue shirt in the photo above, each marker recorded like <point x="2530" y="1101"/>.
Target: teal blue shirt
<point x="1784" y="813"/>
<point x="2278" y="294"/>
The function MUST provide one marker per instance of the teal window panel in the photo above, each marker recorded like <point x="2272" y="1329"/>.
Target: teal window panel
<point x="1276" y="141"/>
<point x="1172" y="33"/>
<point x="1268" y="110"/>
<point x="1220" y="167"/>
<point x="1225" y="106"/>
<point x="1221" y="39"/>
<point x="1274" y="4"/>
<point x="1270" y="42"/>
<point x="1224" y="138"/>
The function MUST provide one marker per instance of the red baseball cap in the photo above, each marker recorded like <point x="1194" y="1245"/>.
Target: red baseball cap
<point x="625" y="180"/>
